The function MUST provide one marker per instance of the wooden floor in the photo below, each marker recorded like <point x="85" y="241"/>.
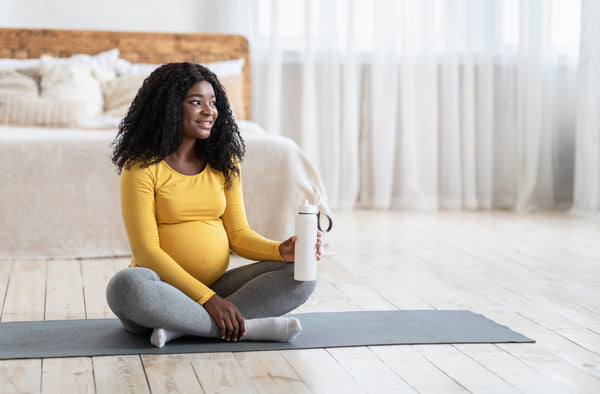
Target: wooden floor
<point x="537" y="273"/>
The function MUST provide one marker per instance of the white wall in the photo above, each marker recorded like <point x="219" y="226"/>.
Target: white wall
<point x="118" y="15"/>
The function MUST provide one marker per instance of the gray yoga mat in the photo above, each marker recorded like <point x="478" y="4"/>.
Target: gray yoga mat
<point x="101" y="337"/>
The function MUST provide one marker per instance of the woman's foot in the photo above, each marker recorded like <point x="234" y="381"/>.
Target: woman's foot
<point x="160" y="336"/>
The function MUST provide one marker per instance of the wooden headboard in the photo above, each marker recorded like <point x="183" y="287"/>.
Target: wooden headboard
<point x="136" y="47"/>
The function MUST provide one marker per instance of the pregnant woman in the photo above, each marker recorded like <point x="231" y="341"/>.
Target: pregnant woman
<point x="178" y="151"/>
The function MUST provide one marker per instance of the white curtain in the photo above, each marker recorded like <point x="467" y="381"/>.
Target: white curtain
<point x="587" y="163"/>
<point x="418" y="104"/>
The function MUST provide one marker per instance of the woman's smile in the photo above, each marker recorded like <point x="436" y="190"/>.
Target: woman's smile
<point x="206" y="124"/>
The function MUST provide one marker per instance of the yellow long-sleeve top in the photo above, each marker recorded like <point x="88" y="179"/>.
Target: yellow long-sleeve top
<point x="183" y="226"/>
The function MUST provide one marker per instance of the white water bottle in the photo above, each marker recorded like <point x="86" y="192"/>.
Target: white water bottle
<point x="305" y="257"/>
<point x="307" y="225"/>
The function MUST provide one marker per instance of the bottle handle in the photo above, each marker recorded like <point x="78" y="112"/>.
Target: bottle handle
<point x="319" y="213"/>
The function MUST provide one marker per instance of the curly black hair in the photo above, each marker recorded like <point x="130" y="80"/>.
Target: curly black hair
<point x="151" y="130"/>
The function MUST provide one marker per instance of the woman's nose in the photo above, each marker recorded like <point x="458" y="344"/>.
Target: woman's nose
<point x="206" y="110"/>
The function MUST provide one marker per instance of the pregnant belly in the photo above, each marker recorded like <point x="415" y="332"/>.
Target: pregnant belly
<point x="201" y="248"/>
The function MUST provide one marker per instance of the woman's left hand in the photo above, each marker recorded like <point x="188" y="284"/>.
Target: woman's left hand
<point x="288" y="247"/>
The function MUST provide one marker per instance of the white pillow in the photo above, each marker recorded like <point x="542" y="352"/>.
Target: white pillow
<point x="223" y="68"/>
<point x="16" y="64"/>
<point x="227" y="68"/>
<point x="106" y="61"/>
<point x="15" y="83"/>
<point x="125" y="67"/>
<point x="71" y="81"/>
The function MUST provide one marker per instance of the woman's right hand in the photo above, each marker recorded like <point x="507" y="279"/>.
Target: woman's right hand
<point x="228" y="318"/>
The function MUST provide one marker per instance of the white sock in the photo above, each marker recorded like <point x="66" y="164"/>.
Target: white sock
<point x="160" y="336"/>
<point x="274" y="329"/>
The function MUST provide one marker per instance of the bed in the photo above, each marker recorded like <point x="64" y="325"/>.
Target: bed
<point x="59" y="190"/>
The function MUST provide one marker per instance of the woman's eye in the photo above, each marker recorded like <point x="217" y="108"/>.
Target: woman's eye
<point x="199" y="103"/>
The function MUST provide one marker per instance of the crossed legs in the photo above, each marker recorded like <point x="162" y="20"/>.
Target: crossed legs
<point x="260" y="291"/>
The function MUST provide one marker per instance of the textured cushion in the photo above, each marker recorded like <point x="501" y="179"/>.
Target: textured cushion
<point x="120" y="92"/>
<point x="39" y="111"/>
<point x="233" y="85"/>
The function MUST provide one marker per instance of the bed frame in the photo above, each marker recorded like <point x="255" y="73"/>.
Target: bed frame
<point x="136" y="47"/>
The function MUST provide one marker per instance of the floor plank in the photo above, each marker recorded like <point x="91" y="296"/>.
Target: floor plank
<point x="6" y="267"/>
<point x="119" y="374"/>
<point x="574" y="353"/>
<point x="321" y="372"/>
<point x="369" y="371"/>
<point x="170" y="373"/>
<point x="20" y="376"/>
<point x="583" y="337"/>
<point x="221" y="373"/>
<point x="555" y="347"/>
<point x="271" y="373"/>
<point x="26" y="293"/>
<point x="64" y="290"/>
<point x="471" y="374"/>
<point x="416" y="370"/>
<point x="366" y="297"/>
<point x="95" y="276"/>
<point x="67" y="375"/>
<point x="508" y="368"/>
<point x="554" y="368"/>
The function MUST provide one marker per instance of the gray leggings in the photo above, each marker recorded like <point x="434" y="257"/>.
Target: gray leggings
<point x="143" y="302"/>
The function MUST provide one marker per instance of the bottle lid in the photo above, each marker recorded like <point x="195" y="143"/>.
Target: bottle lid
<point x="305" y="207"/>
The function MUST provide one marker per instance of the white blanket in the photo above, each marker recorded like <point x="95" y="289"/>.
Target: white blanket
<point x="276" y="177"/>
<point x="59" y="191"/>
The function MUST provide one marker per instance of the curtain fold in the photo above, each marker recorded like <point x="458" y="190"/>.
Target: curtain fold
<point x="587" y="164"/>
<point x="419" y="104"/>
<point x="345" y="185"/>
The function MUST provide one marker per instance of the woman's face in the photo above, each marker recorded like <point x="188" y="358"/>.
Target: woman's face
<point x="199" y="111"/>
